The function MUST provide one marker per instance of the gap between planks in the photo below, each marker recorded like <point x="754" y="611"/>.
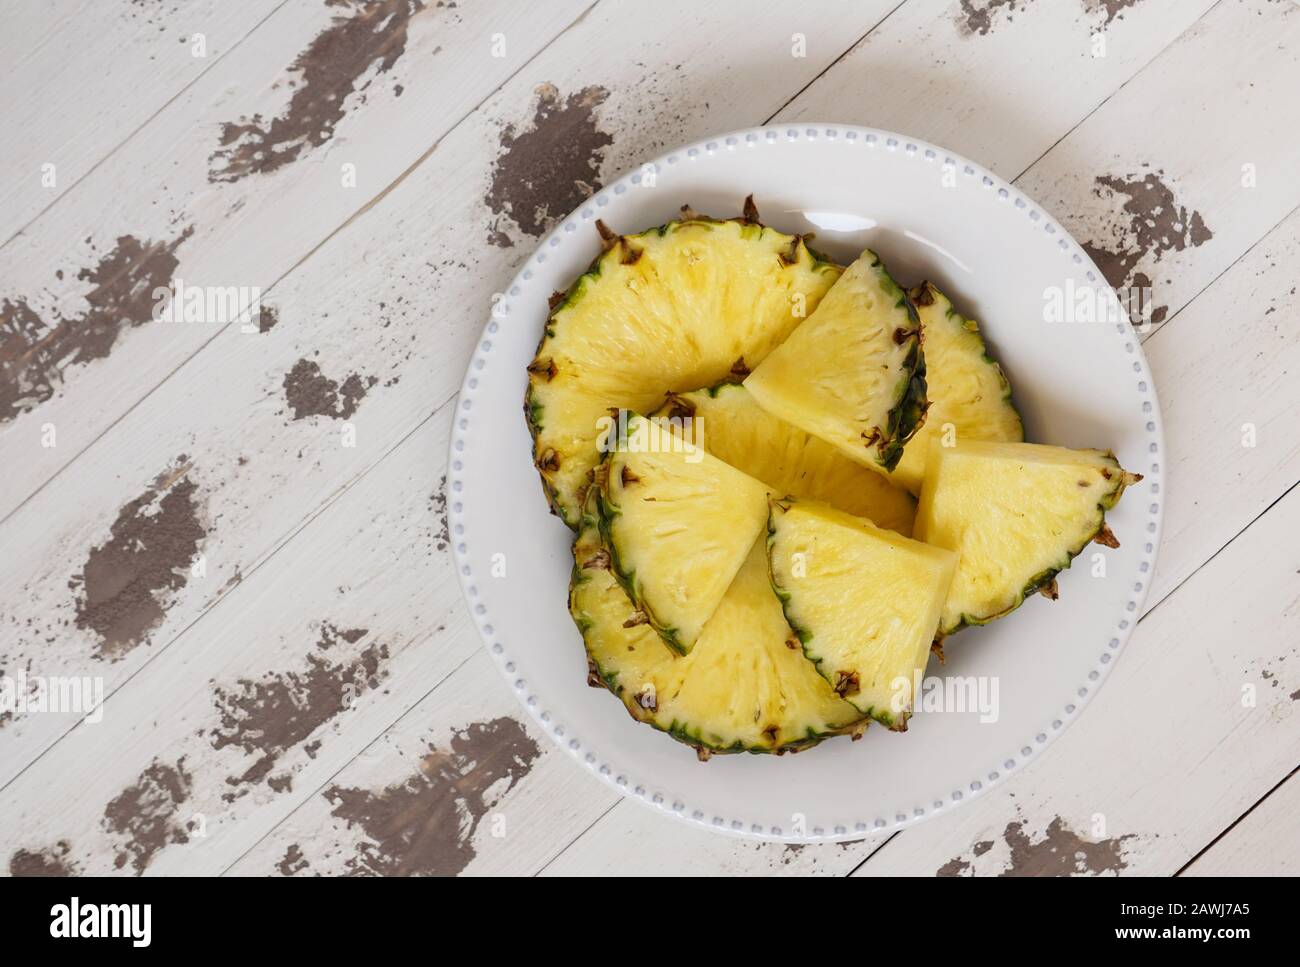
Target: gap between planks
<point x="831" y="66"/>
<point x="1236" y="822"/>
<point x="1156" y="56"/>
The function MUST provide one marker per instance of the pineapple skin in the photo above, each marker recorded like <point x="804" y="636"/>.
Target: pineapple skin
<point x="909" y="414"/>
<point x="623" y="249"/>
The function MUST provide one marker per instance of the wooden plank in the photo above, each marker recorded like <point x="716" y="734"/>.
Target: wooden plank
<point x="462" y="784"/>
<point x="300" y="128"/>
<point x="1262" y="843"/>
<point x="301" y="494"/>
<point x="999" y="87"/>
<point x="292" y="675"/>
<point x="616" y="846"/>
<point x="288" y="401"/>
<point x="80" y="78"/>
<point x="298" y="668"/>
<point x="1179" y="174"/>
<point x="1208" y="391"/>
<point x="1229" y="397"/>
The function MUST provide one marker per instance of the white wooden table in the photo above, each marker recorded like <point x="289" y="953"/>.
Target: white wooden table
<point x="238" y="532"/>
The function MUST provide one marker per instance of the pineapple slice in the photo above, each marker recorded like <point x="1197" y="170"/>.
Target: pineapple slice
<point x="967" y="389"/>
<point x="673" y="308"/>
<point x="1016" y="514"/>
<point x="744" y="688"/>
<point x="865" y="602"/>
<point x="678" y="524"/>
<point x="727" y="423"/>
<point x="853" y="374"/>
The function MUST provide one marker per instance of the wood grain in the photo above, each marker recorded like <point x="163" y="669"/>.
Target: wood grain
<point x="353" y="115"/>
<point x="80" y="79"/>
<point x="495" y="796"/>
<point x="304" y="661"/>
<point x="291" y="675"/>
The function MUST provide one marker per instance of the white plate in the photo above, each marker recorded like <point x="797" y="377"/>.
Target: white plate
<point x="1079" y="384"/>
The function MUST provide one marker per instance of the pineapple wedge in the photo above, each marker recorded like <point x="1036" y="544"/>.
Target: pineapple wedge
<point x="970" y="398"/>
<point x="677" y="307"/>
<point x="865" y="602"/>
<point x="727" y="423"/>
<point x="853" y="374"/>
<point x="678" y="523"/>
<point x="742" y="689"/>
<point x="1015" y="514"/>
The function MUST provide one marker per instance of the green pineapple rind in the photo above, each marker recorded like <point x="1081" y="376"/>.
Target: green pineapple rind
<point x="607" y="511"/>
<point x="1041" y="580"/>
<point x="805" y="635"/>
<point x="533" y="409"/>
<point x="909" y="405"/>
<point x="680" y="731"/>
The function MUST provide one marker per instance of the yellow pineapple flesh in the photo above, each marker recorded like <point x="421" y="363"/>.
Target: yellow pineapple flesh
<point x="864" y="602"/>
<point x="745" y="687"/>
<point x="678" y="523"/>
<point x="1015" y="514"/>
<point x="727" y="423"/>
<point x="674" y="308"/>
<point x="854" y="373"/>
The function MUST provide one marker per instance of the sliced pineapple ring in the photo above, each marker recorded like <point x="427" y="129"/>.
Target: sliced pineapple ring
<point x="743" y="688"/>
<point x="727" y="423"/>
<point x="970" y="398"/>
<point x="1016" y="514"/>
<point x="864" y="602"/>
<point x="673" y="308"/>
<point x="853" y="374"/>
<point x="678" y="523"/>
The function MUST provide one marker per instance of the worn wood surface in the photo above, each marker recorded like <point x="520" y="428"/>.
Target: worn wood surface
<point x="289" y="682"/>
